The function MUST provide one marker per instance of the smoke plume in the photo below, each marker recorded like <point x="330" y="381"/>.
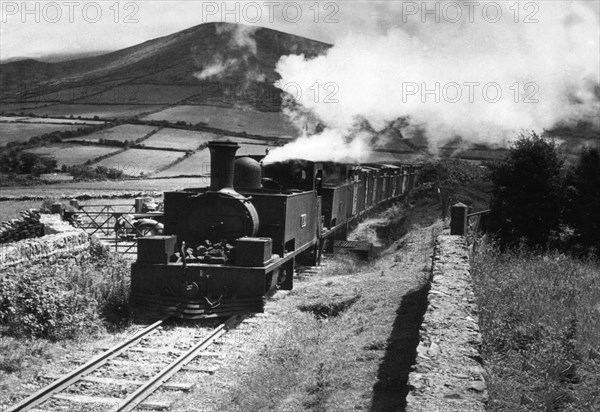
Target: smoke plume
<point x="236" y="57"/>
<point x="481" y="81"/>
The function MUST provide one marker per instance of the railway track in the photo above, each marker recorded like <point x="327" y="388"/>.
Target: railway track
<point x="97" y="376"/>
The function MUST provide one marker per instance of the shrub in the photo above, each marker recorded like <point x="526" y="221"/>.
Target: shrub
<point x="99" y="172"/>
<point x="527" y="194"/>
<point x="66" y="301"/>
<point x="19" y="162"/>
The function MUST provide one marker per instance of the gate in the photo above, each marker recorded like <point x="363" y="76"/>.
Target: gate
<point x="105" y="222"/>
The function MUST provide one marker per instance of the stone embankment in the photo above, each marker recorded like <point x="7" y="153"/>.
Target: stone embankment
<point x="448" y="375"/>
<point x="60" y="240"/>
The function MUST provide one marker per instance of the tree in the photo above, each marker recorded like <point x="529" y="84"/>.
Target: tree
<point x="527" y="194"/>
<point x="583" y="206"/>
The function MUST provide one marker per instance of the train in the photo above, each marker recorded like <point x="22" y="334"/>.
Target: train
<point x="225" y="247"/>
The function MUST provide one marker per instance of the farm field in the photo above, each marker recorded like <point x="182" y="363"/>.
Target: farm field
<point x="48" y="120"/>
<point x="99" y="188"/>
<point x="72" y="154"/>
<point x="19" y="107"/>
<point x="122" y="133"/>
<point x="244" y="140"/>
<point x="179" y="139"/>
<point x="138" y="162"/>
<point x="195" y="165"/>
<point x="253" y="149"/>
<point x="22" y="132"/>
<point x="143" y="94"/>
<point x="107" y="111"/>
<point x="387" y="157"/>
<point x="258" y="123"/>
<point x="11" y="209"/>
<point x="70" y="94"/>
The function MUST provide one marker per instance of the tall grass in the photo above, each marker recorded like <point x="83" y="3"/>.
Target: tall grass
<point x="540" y="321"/>
<point x="65" y="300"/>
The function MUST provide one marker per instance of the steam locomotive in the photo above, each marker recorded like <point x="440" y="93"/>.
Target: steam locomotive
<point x="227" y="246"/>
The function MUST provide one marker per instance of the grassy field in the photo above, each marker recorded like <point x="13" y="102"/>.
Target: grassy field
<point x="143" y="94"/>
<point x="138" y="162"/>
<point x="121" y="133"/>
<point x="387" y="157"/>
<point x="12" y="209"/>
<point x="259" y="123"/>
<point x="69" y="94"/>
<point x="99" y="188"/>
<point x="540" y="321"/>
<point x="253" y="150"/>
<point x="196" y="164"/>
<point x="22" y="107"/>
<point x="179" y="139"/>
<point x="48" y="120"/>
<point x="22" y="132"/>
<point x="89" y="111"/>
<point x="72" y="154"/>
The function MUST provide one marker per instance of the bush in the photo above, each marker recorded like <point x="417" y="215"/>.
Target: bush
<point x="98" y="172"/>
<point x="19" y="162"/>
<point x="66" y="301"/>
<point x="31" y="306"/>
<point x="527" y="194"/>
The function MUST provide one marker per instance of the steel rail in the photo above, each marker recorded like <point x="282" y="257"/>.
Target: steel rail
<point x="48" y="391"/>
<point x="149" y="387"/>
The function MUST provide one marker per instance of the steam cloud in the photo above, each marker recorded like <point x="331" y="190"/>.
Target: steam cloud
<point x="548" y="73"/>
<point x="235" y="57"/>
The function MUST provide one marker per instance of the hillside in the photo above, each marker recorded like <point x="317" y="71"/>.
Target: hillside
<point x="171" y="61"/>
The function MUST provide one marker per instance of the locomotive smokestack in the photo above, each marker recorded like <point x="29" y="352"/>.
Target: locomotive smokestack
<point x="222" y="160"/>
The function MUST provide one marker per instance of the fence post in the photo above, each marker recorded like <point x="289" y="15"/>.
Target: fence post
<point x="458" y="219"/>
<point x="57" y="208"/>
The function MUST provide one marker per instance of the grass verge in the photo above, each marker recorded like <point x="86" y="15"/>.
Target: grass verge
<point x="341" y="340"/>
<point x="540" y="321"/>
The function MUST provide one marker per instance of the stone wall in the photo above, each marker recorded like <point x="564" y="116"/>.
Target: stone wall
<point x="27" y="227"/>
<point x="448" y="375"/>
<point x="60" y="240"/>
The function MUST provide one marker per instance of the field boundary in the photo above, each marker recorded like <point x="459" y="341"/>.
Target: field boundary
<point x="448" y="374"/>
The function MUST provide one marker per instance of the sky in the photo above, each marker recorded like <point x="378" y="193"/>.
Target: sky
<point x="37" y="28"/>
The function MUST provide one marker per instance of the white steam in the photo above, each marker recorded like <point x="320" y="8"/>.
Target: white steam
<point x="443" y="78"/>
<point x="235" y="56"/>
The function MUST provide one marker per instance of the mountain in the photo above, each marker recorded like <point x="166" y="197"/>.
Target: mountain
<point x="247" y="56"/>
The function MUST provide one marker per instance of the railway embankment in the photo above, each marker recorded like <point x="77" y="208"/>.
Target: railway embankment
<point x="447" y="374"/>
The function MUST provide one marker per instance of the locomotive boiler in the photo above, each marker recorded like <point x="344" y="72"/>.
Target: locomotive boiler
<point x="226" y="246"/>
